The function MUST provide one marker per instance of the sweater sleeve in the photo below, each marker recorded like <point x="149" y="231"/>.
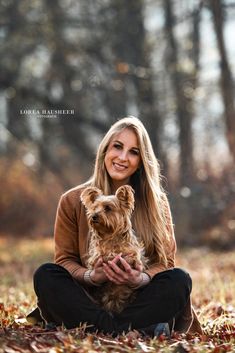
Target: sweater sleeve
<point x="66" y="237"/>
<point x="169" y="245"/>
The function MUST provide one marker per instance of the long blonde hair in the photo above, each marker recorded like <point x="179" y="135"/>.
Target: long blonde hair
<point x="149" y="219"/>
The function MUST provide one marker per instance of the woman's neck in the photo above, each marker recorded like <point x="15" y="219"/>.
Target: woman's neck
<point x="117" y="183"/>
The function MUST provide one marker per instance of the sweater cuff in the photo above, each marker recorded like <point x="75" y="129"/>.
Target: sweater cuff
<point x="145" y="279"/>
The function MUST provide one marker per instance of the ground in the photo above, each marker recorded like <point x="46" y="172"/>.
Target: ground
<point x="213" y="298"/>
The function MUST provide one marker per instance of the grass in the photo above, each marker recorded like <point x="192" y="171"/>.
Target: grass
<point x="213" y="298"/>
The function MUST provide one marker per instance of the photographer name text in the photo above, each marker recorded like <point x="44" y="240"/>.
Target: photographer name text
<point x="47" y="112"/>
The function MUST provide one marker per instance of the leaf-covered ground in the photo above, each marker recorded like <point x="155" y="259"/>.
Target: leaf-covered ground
<point x="213" y="297"/>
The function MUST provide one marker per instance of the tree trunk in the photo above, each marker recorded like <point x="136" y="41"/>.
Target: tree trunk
<point x="226" y="80"/>
<point x="184" y="84"/>
<point x="134" y="66"/>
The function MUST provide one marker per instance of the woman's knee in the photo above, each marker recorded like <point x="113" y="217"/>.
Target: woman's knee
<point x="43" y="270"/>
<point x="175" y="279"/>
<point x="182" y="278"/>
<point x="43" y="275"/>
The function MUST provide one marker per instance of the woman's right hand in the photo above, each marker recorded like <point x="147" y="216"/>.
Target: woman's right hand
<point x="97" y="274"/>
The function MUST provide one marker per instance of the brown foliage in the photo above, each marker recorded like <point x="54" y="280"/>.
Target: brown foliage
<point x="27" y="204"/>
<point x="213" y="298"/>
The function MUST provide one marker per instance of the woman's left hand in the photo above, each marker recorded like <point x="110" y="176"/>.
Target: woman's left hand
<point x="125" y="275"/>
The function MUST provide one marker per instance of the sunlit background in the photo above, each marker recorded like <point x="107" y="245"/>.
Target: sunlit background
<point x="171" y="63"/>
<point x="70" y="68"/>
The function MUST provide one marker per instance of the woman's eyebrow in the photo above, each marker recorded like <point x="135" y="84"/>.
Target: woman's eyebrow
<point x="132" y="148"/>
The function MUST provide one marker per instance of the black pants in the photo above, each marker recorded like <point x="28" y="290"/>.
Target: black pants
<point x="62" y="299"/>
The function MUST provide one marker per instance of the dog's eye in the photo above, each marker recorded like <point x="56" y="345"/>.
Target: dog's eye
<point x="107" y="208"/>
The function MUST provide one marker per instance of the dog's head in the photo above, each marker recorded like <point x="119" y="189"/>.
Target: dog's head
<point x="109" y="214"/>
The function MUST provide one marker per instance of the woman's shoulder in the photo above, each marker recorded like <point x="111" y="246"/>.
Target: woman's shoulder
<point x="72" y="196"/>
<point x="75" y="190"/>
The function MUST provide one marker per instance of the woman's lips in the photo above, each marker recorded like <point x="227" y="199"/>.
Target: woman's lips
<point x="119" y="167"/>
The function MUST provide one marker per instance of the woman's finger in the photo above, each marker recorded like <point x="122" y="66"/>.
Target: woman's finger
<point x="114" y="266"/>
<point x="113" y="276"/>
<point x="118" y="271"/>
<point x="139" y="267"/>
<point x="108" y="270"/>
<point x="125" y="264"/>
<point x="116" y="258"/>
<point x="99" y="262"/>
<point x="110" y="276"/>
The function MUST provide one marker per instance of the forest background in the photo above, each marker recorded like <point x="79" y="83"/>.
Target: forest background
<point x="171" y="63"/>
<point x="70" y="68"/>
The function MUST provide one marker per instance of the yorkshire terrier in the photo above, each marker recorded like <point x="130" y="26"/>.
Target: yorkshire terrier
<point x="111" y="234"/>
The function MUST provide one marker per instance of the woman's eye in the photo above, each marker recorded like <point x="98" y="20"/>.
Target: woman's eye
<point x="136" y="153"/>
<point x="117" y="146"/>
<point x="107" y="208"/>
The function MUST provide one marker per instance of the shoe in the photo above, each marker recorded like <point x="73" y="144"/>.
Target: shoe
<point x="50" y="326"/>
<point x="34" y="317"/>
<point x="162" y="328"/>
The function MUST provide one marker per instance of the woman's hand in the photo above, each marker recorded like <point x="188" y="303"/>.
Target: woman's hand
<point x="128" y="275"/>
<point x="97" y="274"/>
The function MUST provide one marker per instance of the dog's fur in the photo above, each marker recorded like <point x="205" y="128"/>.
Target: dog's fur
<point x="112" y="234"/>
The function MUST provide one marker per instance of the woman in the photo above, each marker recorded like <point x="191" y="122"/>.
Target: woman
<point x="125" y="156"/>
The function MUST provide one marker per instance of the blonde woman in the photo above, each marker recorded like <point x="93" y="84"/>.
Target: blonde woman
<point x="162" y="303"/>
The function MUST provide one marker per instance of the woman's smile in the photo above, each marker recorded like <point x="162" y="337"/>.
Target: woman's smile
<point x="119" y="166"/>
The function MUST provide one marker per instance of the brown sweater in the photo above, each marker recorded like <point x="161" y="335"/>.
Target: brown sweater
<point x="72" y="238"/>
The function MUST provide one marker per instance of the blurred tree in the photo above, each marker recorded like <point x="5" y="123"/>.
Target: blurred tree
<point x="41" y="74"/>
<point x="217" y="8"/>
<point x="184" y="81"/>
<point x="134" y="70"/>
<point x="67" y="130"/>
<point x="133" y="64"/>
<point x="14" y="28"/>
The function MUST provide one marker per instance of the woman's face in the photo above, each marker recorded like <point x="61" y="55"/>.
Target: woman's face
<point x="122" y="158"/>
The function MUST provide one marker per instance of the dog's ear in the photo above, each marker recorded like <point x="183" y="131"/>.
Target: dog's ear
<point x="89" y="195"/>
<point x="125" y="195"/>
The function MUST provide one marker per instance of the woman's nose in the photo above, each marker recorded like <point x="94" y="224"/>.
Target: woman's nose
<point x="123" y="155"/>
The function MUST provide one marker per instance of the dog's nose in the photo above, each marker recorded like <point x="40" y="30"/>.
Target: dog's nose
<point x="95" y="217"/>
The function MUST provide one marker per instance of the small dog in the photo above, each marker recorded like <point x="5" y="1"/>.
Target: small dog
<point x="112" y="234"/>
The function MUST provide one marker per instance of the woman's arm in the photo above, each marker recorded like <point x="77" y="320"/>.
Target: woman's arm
<point x="66" y="236"/>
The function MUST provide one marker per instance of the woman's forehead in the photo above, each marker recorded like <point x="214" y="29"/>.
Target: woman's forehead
<point x="126" y="136"/>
